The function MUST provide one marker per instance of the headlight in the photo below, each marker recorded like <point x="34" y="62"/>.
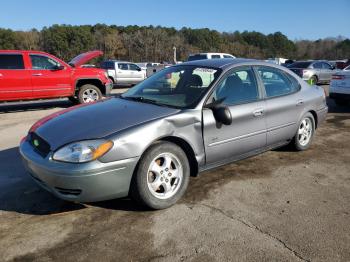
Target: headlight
<point x="83" y="151"/>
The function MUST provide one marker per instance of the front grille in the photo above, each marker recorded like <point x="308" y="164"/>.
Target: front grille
<point x="66" y="191"/>
<point x="40" y="145"/>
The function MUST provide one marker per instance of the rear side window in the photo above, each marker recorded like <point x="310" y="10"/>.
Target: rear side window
<point x="326" y="66"/>
<point x="107" y="65"/>
<point x="238" y="87"/>
<point x="276" y="82"/>
<point x="197" y="57"/>
<point x="317" y="65"/>
<point x="123" y="66"/>
<point x="215" y="56"/>
<point x="11" y="61"/>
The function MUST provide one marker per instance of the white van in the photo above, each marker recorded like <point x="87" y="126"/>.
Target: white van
<point x="201" y="56"/>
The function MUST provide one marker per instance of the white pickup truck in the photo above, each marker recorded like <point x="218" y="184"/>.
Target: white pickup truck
<point x="123" y="73"/>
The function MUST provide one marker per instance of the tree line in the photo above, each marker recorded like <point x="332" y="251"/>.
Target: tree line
<point x="155" y="44"/>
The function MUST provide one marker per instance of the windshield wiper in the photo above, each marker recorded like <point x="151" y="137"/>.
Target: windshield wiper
<point x="144" y="100"/>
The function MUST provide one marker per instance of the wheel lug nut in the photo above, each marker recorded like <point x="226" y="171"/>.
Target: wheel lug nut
<point x="169" y="174"/>
<point x="166" y="180"/>
<point x="161" y="179"/>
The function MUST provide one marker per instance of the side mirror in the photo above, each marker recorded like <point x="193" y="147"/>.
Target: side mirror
<point x="60" y="67"/>
<point x="222" y="114"/>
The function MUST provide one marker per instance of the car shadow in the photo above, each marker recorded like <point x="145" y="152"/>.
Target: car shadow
<point x="19" y="193"/>
<point x="13" y="107"/>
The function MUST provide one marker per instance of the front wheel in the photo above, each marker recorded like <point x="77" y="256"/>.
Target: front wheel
<point x="89" y="93"/>
<point x="305" y="133"/>
<point x="161" y="177"/>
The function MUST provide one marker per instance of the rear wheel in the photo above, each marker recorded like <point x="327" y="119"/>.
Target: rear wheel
<point x="161" y="177"/>
<point x="89" y="93"/>
<point x="305" y="133"/>
<point x="313" y="80"/>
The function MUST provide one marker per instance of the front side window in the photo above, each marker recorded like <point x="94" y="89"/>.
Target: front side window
<point x="134" y="67"/>
<point x="276" y="82"/>
<point x="227" y="56"/>
<point x="317" y="65"/>
<point x="177" y="86"/>
<point x="11" y="61"/>
<point x="43" y="62"/>
<point x="238" y="87"/>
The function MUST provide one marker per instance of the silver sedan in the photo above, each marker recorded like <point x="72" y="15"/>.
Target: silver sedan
<point x="183" y="120"/>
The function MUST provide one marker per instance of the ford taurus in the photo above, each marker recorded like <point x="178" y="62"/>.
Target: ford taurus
<point x="183" y="120"/>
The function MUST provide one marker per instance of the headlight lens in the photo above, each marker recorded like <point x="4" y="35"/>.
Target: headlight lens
<point x="83" y="151"/>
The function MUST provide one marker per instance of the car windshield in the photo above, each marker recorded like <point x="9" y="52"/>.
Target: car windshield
<point x="299" y="65"/>
<point x="178" y="86"/>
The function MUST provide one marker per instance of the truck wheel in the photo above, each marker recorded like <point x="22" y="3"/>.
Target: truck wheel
<point x="161" y="177"/>
<point x="89" y="93"/>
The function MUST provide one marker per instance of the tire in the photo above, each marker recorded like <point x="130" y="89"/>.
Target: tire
<point x="313" y="80"/>
<point x="340" y="102"/>
<point x="161" y="177"/>
<point x="304" y="135"/>
<point x="89" y="93"/>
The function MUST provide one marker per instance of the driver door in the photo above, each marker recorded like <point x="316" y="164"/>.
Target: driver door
<point x="247" y="132"/>
<point x="47" y="81"/>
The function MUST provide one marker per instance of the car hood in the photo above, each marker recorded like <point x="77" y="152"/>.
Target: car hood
<point x="84" y="58"/>
<point x="98" y="120"/>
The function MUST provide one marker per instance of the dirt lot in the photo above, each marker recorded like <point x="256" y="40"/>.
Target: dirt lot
<point x="279" y="206"/>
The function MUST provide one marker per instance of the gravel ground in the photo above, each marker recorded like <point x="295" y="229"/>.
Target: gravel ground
<point x="278" y="206"/>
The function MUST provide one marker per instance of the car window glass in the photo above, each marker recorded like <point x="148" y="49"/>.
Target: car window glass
<point x="43" y="62"/>
<point x="276" y="82"/>
<point x="123" y="66"/>
<point x="215" y="56"/>
<point x="11" y="61"/>
<point x="179" y="86"/>
<point x="326" y="66"/>
<point x="238" y="87"/>
<point x="107" y="65"/>
<point x="134" y="67"/>
<point x="317" y="65"/>
<point x="227" y="56"/>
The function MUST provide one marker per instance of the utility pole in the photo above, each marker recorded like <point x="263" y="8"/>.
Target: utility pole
<point x="175" y="61"/>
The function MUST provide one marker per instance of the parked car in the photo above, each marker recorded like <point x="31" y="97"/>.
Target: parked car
<point x="27" y="75"/>
<point x="147" y="142"/>
<point x="202" y="56"/>
<point x="339" y="88"/>
<point x="123" y="73"/>
<point x="313" y="71"/>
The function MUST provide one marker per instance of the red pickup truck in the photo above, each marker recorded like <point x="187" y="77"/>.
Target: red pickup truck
<point x="27" y="75"/>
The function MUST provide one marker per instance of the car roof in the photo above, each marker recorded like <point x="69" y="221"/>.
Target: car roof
<point x="118" y="61"/>
<point x="23" y="51"/>
<point x="222" y="62"/>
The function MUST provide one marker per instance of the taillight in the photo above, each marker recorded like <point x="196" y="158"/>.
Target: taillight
<point x="338" y="77"/>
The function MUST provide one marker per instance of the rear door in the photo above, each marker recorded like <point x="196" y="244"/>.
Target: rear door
<point x="283" y="103"/>
<point x="123" y="73"/>
<point x="247" y="133"/>
<point x="47" y="80"/>
<point x="15" y="82"/>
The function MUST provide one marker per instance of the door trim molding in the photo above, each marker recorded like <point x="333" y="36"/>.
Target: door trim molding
<point x="237" y="138"/>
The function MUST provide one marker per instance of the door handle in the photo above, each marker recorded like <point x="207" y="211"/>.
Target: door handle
<point x="37" y="74"/>
<point x="300" y="102"/>
<point x="258" y="112"/>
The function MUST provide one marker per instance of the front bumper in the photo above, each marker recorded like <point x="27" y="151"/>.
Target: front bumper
<point x="85" y="182"/>
<point x="109" y="87"/>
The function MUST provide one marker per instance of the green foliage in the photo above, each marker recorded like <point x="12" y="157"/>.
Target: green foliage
<point x="149" y="43"/>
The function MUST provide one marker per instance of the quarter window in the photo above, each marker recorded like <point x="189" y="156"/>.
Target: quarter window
<point x="43" y="62"/>
<point x="276" y="82"/>
<point x="11" y="61"/>
<point x="238" y="87"/>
